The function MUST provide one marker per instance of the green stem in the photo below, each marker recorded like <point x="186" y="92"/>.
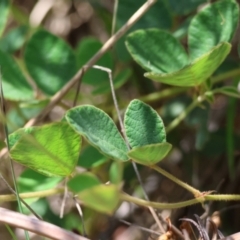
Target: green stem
<point x="231" y="74"/>
<point x="157" y="205"/>
<point x="39" y="194"/>
<point x="222" y="197"/>
<point x="177" y="120"/>
<point x="11" y="232"/>
<point x="125" y="197"/>
<point x="152" y="97"/>
<point x="191" y="189"/>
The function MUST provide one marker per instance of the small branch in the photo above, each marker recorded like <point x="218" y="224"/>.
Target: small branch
<point x="191" y="189"/>
<point x="26" y="205"/>
<point x="141" y="228"/>
<point x="65" y="195"/>
<point x="222" y="197"/>
<point x="37" y="226"/>
<point x="156" y="96"/>
<point x="109" y="71"/>
<point x="60" y="94"/>
<point x="157" y="205"/>
<point x="177" y="120"/>
<point x="4" y="113"/>
<point x="114" y="17"/>
<point x="230" y="74"/>
<point x="81" y="215"/>
<point x="38" y="194"/>
<point x="124" y="197"/>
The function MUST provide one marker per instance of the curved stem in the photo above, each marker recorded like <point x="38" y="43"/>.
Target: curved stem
<point x="177" y="120"/>
<point x="39" y="194"/>
<point x="141" y="202"/>
<point x="152" y="97"/>
<point x="230" y="74"/>
<point x="125" y="197"/>
<point x="191" y="189"/>
<point x="215" y="197"/>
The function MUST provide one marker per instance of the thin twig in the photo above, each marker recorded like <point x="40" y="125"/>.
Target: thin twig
<point x="26" y="205"/>
<point x="141" y="228"/>
<point x="109" y="71"/>
<point x="128" y="198"/>
<point x="78" y="87"/>
<point x="64" y="199"/>
<point x="127" y="143"/>
<point x="114" y="16"/>
<point x="159" y="224"/>
<point x="81" y="216"/>
<point x="183" y="115"/>
<point x="3" y="112"/>
<point x="191" y="189"/>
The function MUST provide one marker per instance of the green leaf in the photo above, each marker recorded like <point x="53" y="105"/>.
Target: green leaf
<point x="99" y="129"/>
<point x="150" y="154"/>
<point x="85" y="50"/>
<point x="31" y="181"/>
<point x="4" y="8"/>
<point x="143" y="125"/>
<point x="205" y="33"/>
<point x="50" y="61"/>
<point x="51" y="150"/>
<point x="156" y="50"/>
<point x="15" y="85"/>
<point x="197" y="72"/>
<point x="228" y="90"/>
<point x="102" y="198"/>
<point x="82" y="182"/>
<point x="14" y="39"/>
<point x="157" y="16"/>
<point x="90" y="157"/>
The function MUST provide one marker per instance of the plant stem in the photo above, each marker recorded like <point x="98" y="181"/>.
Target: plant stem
<point x="191" y="189"/>
<point x="39" y="227"/>
<point x="128" y="198"/>
<point x="230" y="74"/>
<point x="222" y="197"/>
<point x="152" y="97"/>
<point x="177" y="120"/>
<point x="128" y="145"/>
<point x="3" y="112"/>
<point x="115" y="8"/>
<point x="39" y="194"/>
<point x="157" y="205"/>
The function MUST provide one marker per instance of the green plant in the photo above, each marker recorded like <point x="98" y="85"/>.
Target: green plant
<point x="52" y="150"/>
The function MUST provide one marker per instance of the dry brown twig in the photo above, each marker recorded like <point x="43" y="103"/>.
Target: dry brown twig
<point x="37" y="226"/>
